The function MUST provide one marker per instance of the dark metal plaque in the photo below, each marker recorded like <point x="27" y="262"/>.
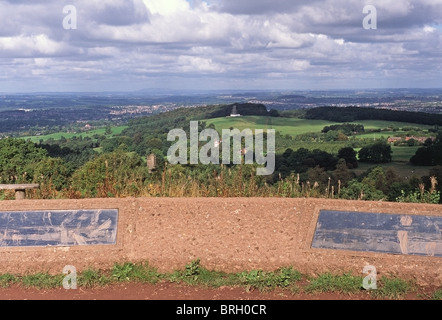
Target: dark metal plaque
<point x="379" y="232"/>
<point x="58" y="228"/>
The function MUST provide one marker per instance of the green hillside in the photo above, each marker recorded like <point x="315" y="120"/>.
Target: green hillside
<point x="290" y="126"/>
<point x="296" y="126"/>
<point x="90" y="134"/>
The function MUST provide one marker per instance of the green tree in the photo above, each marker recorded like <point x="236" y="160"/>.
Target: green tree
<point x="52" y="173"/>
<point x="429" y="155"/>
<point x="154" y="143"/>
<point x="331" y="135"/>
<point x="377" y="179"/>
<point x="360" y="191"/>
<point x="319" y="175"/>
<point x="423" y="157"/>
<point x="342" y="173"/>
<point x="111" y="174"/>
<point x="377" y="153"/>
<point x="350" y="156"/>
<point x="18" y="159"/>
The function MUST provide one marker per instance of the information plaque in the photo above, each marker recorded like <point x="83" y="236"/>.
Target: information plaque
<point x="58" y="228"/>
<point x="379" y="232"/>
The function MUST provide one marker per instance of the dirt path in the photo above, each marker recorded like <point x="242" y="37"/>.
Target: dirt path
<point x="173" y="291"/>
<point x="171" y="300"/>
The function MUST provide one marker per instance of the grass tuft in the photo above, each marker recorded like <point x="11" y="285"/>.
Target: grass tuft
<point x="6" y="280"/>
<point x="135" y="272"/>
<point x="42" y="280"/>
<point x="195" y="274"/>
<point x="392" y="288"/>
<point x="328" y="282"/>
<point x="437" y="295"/>
<point x="92" y="278"/>
<point x="261" y="280"/>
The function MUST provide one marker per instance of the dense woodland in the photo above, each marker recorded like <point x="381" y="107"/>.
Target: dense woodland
<point x="115" y="166"/>
<point x="350" y="114"/>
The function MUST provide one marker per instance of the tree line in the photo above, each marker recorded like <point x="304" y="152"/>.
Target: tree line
<point x="350" y="114"/>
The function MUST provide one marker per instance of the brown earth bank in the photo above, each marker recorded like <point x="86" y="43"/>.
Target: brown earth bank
<point x="176" y="292"/>
<point x="163" y="291"/>
<point x="225" y="234"/>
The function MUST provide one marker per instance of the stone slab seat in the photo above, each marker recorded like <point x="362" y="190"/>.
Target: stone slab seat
<point x="20" y="189"/>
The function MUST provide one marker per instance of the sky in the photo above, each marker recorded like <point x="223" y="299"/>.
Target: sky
<point x="129" y="45"/>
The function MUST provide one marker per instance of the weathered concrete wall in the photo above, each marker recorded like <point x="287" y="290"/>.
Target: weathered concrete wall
<point x="227" y="234"/>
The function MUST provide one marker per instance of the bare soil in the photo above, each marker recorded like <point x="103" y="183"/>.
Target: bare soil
<point x="175" y="292"/>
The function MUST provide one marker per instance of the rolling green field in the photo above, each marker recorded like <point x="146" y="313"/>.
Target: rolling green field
<point x="379" y="124"/>
<point x="296" y="126"/>
<point x="59" y="135"/>
<point x="400" y="164"/>
<point x="290" y="126"/>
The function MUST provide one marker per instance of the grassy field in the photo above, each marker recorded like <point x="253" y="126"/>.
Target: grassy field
<point x="379" y="124"/>
<point x="405" y="170"/>
<point x="290" y="126"/>
<point x="59" y="135"/>
<point x="403" y="154"/>
<point x="400" y="164"/>
<point x="296" y="126"/>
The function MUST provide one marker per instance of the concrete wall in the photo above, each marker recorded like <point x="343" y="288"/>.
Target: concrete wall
<point x="226" y="234"/>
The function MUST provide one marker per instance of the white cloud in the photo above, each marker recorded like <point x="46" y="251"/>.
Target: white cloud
<point x="33" y="45"/>
<point x="199" y="64"/>
<point x="166" y="7"/>
<point x="320" y="41"/>
<point x="429" y="29"/>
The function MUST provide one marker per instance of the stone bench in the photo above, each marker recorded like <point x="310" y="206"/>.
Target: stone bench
<point x="20" y="189"/>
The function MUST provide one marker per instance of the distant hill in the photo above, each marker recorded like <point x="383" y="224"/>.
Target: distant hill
<point x="244" y="109"/>
<point x="181" y="116"/>
<point x="350" y="114"/>
<point x="148" y="133"/>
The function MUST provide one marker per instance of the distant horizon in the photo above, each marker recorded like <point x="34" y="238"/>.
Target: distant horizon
<point x="208" y="91"/>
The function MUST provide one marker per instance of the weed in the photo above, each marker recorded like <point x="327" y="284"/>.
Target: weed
<point x="437" y="295"/>
<point x="261" y="280"/>
<point x="92" y="278"/>
<point x="328" y="282"/>
<point x="7" y="279"/>
<point x="42" y="280"/>
<point x="194" y="274"/>
<point x="122" y="272"/>
<point x="190" y="274"/>
<point x="192" y="269"/>
<point x="135" y="272"/>
<point x="392" y="288"/>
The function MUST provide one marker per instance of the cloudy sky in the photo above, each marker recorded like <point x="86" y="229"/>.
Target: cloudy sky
<point x="123" y="45"/>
